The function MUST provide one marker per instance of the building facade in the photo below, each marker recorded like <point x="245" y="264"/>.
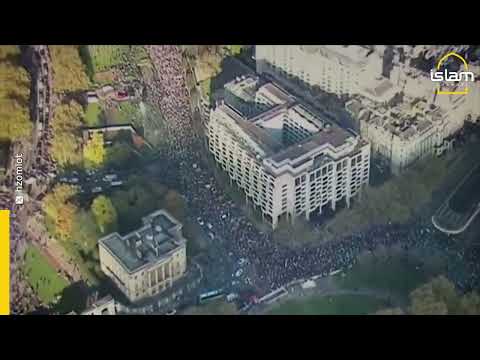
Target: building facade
<point x="288" y="160"/>
<point x="402" y="134"/>
<point x="339" y="70"/>
<point x="421" y="124"/>
<point x="148" y="260"/>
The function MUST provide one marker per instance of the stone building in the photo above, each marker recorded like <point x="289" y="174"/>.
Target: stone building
<point x="148" y="260"/>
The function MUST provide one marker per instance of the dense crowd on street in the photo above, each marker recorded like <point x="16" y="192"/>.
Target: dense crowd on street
<point x="37" y="164"/>
<point x="171" y="94"/>
<point x="274" y="265"/>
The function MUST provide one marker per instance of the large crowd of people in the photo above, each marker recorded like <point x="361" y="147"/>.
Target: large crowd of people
<point x="273" y="265"/>
<point x="38" y="165"/>
<point x="171" y="94"/>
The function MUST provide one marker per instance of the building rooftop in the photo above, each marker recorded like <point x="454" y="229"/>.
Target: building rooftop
<point x="344" y="54"/>
<point x="146" y="245"/>
<point x="314" y="130"/>
<point x="406" y="119"/>
<point x="335" y="136"/>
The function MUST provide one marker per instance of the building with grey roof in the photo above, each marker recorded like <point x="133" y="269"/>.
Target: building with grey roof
<point x="288" y="159"/>
<point x="402" y="134"/>
<point x="148" y="260"/>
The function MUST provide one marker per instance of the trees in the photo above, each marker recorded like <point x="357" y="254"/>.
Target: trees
<point x="174" y="203"/>
<point x="15" y="121"/>
<point x="60" y="210"/>
<point x="235" y="49"/>
<point x="106" y="56"/>
<point x="66" y="143"/>
<point x="470" y="304"/>
<point x="68" y="70"/>
<point x="105" y="214"/>
<point x="439" y="297"/>
<point x="86" y="232"/>
<point x="141" y="198"/>
<point x="118" y="155"/>
<point x="94" y="151"/>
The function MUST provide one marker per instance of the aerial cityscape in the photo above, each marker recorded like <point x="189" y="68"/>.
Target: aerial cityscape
<point x="240" y="179"/>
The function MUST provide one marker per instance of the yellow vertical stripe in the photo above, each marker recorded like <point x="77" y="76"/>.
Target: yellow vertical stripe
<point x="4" y="262"/>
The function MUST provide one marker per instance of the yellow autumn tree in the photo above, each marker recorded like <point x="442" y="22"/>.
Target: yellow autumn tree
<point x="15" y="81"/>
<point x="105" y="214"/>
<point x="69" y="73"/>
<point x="66" y="144"/>
<point x="60" y="210"/>
<point x="94" y="151"/>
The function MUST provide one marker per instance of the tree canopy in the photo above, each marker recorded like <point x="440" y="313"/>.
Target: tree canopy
<point x="235" y="49"/>
<point x="438" y="297"/>
<point x="94" y="152"/>
<point x="15" y="81"/>
<point x="60" y="210"/>
<point x="69" y="73"/>
<point x="66" y="143"/>
<point x="106" y="56"/>
<point x="105" y="214"/>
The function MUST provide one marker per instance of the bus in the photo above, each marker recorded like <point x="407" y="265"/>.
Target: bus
<point x="210" y="295"/>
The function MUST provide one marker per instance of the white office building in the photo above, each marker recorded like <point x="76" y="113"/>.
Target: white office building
<point x="288" y="160"/>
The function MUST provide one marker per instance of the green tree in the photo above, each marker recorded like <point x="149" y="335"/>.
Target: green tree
<point x="470" y="304"/>
<point x="106" y="56"/>
<point x="174" y="203"/>
<point x="94" y="151"/>
<point x="60" y="210"/>
<point x="69" y="73"/>
<point x="235" y="49"/>
<point x="118" y="155"/>
<point x="105" y="214"/>
<point x="438" y="297"/>
<point x="86" y="231"/>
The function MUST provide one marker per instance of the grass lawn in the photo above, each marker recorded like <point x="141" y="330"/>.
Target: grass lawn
<point x="103" y="57"/>
<point x="93" y="114"/>
<point x="42" y="276"/>
<point x="398" y="275"/>
<point x="330" y="305"/>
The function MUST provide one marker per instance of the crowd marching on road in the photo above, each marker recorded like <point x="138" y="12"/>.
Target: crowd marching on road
<point x="37" y="166"/>
<point x="238" y="252"/>
<point x="273" y="265"/>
